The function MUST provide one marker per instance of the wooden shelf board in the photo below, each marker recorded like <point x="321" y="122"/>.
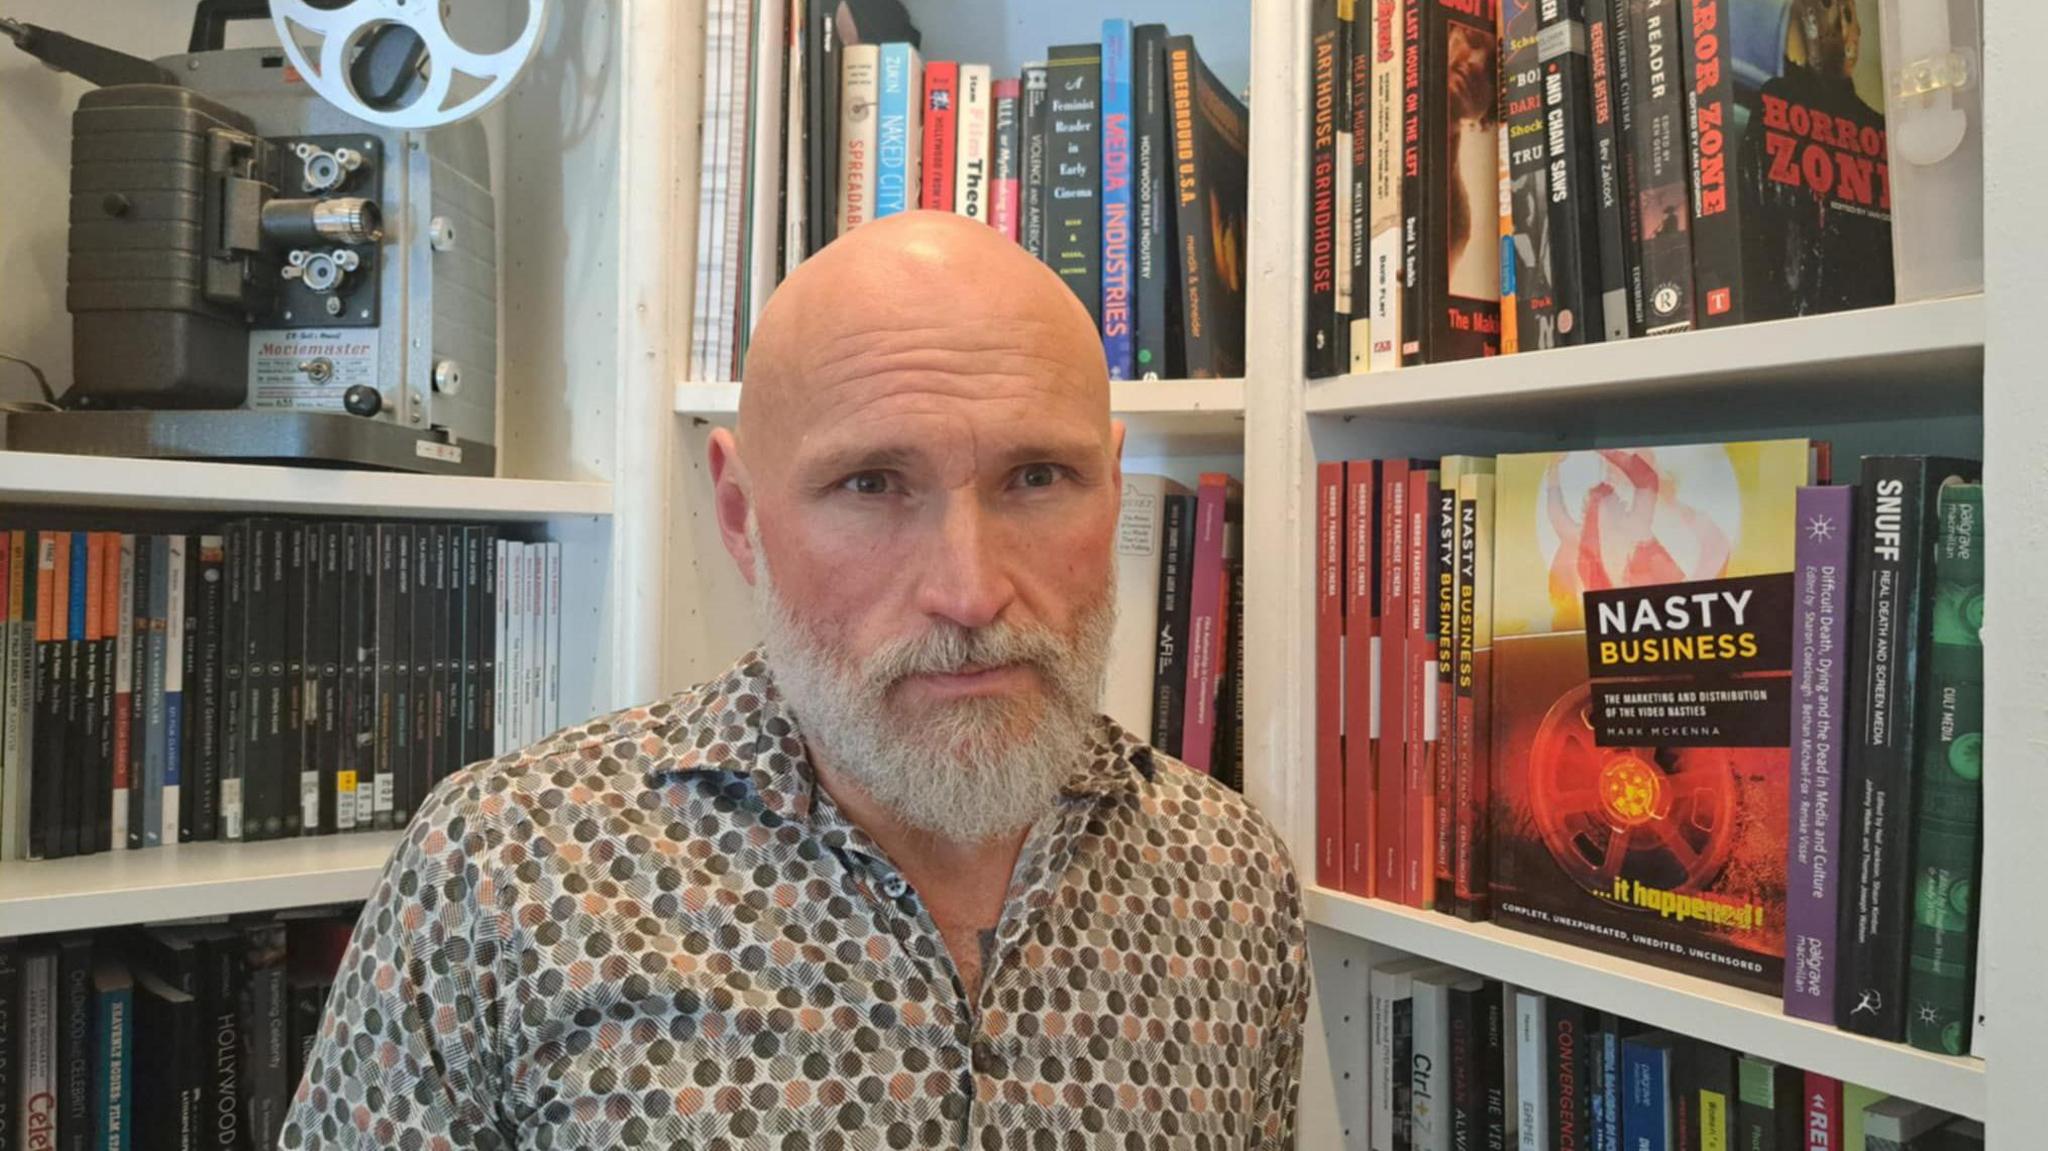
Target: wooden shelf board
<point x="48" y="479"/>
<point x="190" y="879"/>
<point x="1742" y="1020"/>
<point x="1920" y="355"/>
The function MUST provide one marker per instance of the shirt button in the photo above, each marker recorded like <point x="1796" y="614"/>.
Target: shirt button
<point x="987" y="1061"/>
<point x="894" y="887"/>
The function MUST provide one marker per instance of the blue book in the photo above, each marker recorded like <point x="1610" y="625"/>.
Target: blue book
<point x="153" y="706"/>
<point x="896" y="130"/>
<point x="1646" y="1092"/>
<point x="1119" y="345"/>
<point x="174" y="685"/>
<point x="113" y="1075"/>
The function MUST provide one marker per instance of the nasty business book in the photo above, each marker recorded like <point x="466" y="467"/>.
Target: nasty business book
<point x="1642" y="680"/>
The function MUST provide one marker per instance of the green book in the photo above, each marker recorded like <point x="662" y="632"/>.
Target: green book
<point x="1950" y="818"/>
<point x="1856" y="1099"/>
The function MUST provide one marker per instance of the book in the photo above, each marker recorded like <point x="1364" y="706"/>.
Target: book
<point x="1898" y="1124"/>
<point x="834" y="28"/>
<point x="206" y="591"/>
<point x="36" y="1047"/>
<point x="1536" y="249"/>
<point x="859" y="92"/>
<point x="1897" y="510"/>
<point x="1390" y="752"/>
<point x="1170" y="647"/>
<point x="234" y="656"/>
<point x="1418" y="845"/>
<point x="551" y="627"/>
<point x="94" y="769"/>
<point x="1662" y="181"/>
<point x="1218" y="507"/>
<point x="1856" y="1101"/>
<point x="156" y="722"/>
<point x="1385" y="302"/>
<point x="1948" y="820"/>
<point x="1356" y="16"/>
<point x="1362" y="652"/>
<point x="1501" y="1057"/>
<point x="1073" y="171"/>
<point x="1007" y="156"/>
<point x="1474" y="784"/>
<point x="1824" y="518"/>
<point x="168" y="1080"/>
<point x="939" y="135"/>
<point x="1119" y="221"/>
<point x="327" y="636"/>
<point x="74" y="1039"/>
<point x="1646" y="1112"/>
<point x="1142" y="537"/>
<point x="1642" y="637"/>
<point x="1821" y="1116"/>
<point x="1572" y="205"/>
<point x="1332" y="810"/>
<point x="1791" y="197"/>
<point x="1211" y="134"/>
<point x="1444" y="693"/>
<point x="1328" y="69"/>
<point x="1469" y="1063"/>
<point x="45" y="793"/>
<point x="425" y="606"/>
<point x="265" y="1047"/>
<point x="1391" y="1030"/>
<point x="1532" y="1088"/>
<point x="1610" y="167"/>
<point x="74" y="830"/>
<point x="898" y="142"/>
<point x="1411" y="156"/>
<point x="1343" y="221"/>
<point x="1767" y="1113"/>
<point x="299" y="718"/>
<point x="1429" y="1099"/>
<point x="1034" y="119"/>
<point x="472" y="644"/>
<point x="490" y="636"/>
<point x="108" y="608"/>
<point x="388" y="761"/>
<point x="1460" y="118"/>
<point x="1685" y="1095"/>
<point x="113" y="1079"/>
<point x="11" y="1023"/>
<point x="1566" y="1042"/>
<point x="1159" y="340"/>
<point x="1714" y="1075"/>
<point x="18" y="741"/>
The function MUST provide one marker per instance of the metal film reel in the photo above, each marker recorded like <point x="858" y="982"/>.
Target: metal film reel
<point x="345" y="27"/>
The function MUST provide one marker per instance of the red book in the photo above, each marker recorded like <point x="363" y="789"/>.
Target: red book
<point x="1823" y="1106"/>
<point x="1418" y="848"/>
<point x="1208" y="599"/>
<point x="1008" y="96"/>
<point x="1361" y="674"/>
<point x="1390" y="756"/>
<point x="1330" y="595"/>
<point x="941" y="90"/>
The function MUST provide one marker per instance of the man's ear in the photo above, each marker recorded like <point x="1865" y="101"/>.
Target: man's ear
<point x="732" y="498"/>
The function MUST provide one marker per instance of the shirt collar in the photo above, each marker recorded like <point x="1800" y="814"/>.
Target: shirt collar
<point x="739" y="725"/>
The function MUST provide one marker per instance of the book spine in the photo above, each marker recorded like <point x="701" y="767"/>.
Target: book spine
<point x="1361" y="677"/>
<point x="331" y="642"/>
<point x="1390" y="757"/>
<point x="447" y="665"/>
<point x="384" y="591"/>
<point x="472" y="641"/>
<point x="1820" y="655"/>
<point x="1344" y="288"/>
<point x="234" y="656"/>
<point x="1685" y="1096"/>
<point x="1429" y="1090"/>
<point x="43" y="792"/>
<point x="1119" y="346"/>
<point x="204" y="689"/>
<point x="1330" y="599"/>
<point x="1664" y="199"/>
<point x="1532" y="1088"/>
<point x="1385" y="313"/>
<point x="1646" y="1122"/>
<point x="515" y="638"/>
<point x="1418" y="848"/>
<point x="17" y="740"/>
<point x="1472" y="868"/>
<point x="1609" y="187"/>
<point x="75" y="829"/>
<point x="1565" y="1091"/>
<point x="1711" y="126"/>
<point x="1444" y="699"/>
<point x="302" y="766"/>
<point x="897" y="124"/>
<point x="1593" y="1082"/>
<point x="1823" y="1114"/>
<point x="1158" y="291"/>
<point x="491" y="636"/>
<point x="134" y="607"/>
<point x="108" y="609"/>
<point x="1528" y="176"/>
<point x="822" y="59"/>
<point x="1895" y="531"/>
<point x="1622" y="43"/>
<point x="1948" y="824"/>
<point x="859" y="89"/>
<point x="11" y="1096"/>
<point x="187" y="652"/>
<point x="157" y="697"/>
<point x="74" y="1044"/>
<point x="1765" y="1108"/>
<point x="1208" y="208"/>
<point x="1033" y="138"/>
<point x="1357" y="18"/>
<point x="1326" y="72"/>
<point x="37" y="1043"/>
<point x="95" y="804"/>
<point x="1717" y="1101"/>
<point x="1170" y="657"/>
<point x="551" y="627"/>
<point x="424" y="608"/>
<point x="113" y="1069"/>
<point x="1205" y="619"/>
<point x="265" y="1047"/>
<point x="360" y="733"/>
<point x="1074" y="171"/>
<point x="508" y="567"/>
<point x="1459" y="276"/>
<point x="1572" y="204"/>
<point x="1414" y="180"/>
<point x="1468" y="1088"/>
<point x="971" y="176"/>
<point x="404" y="708"/>
<point x="221" y="1031"/>
<point x="258" y="775"/>
<point x="1006" y="143"/>
<point x="939" y="137"/>
<point x="175" y="547"/>
<point x="1500" y="1053"/>
<point x="1380" y="1064"/>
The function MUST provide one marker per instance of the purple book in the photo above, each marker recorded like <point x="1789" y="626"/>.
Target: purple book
<point x="1820" y="657"/>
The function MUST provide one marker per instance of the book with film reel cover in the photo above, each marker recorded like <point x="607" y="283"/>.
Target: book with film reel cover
<point x="1641" y="680"/>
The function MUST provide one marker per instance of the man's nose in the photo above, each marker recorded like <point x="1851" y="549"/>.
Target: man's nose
<point x="965" y="579"/>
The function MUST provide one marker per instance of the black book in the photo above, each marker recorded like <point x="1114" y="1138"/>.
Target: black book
<point x="188" y="677"/>
<point x="74" y="1043"/>
<point x="1357" y="341"/>
<point x="1210" y="134"/>
<point x="1714" y="1076"/>
<point x="1031" y="180"/>
<point x="254" y="763"/>
<point x="10" y="1037"/>
<point x="473" y="642"/>
<point x="425" y="605"/>
<point x="169" y="1082"/>
<point x="266" y="1049"/>
<point x="137" y="607"/>
<point x="821" y="122"/>
<point x="1170" y="665"/>
<point x="1073" y="170"/>
<point x="270" y="608"/>
<point x="1402" y="1027"/>
<point x="1494" y="1029"/>
<point x="204" y="963"/>
<point x="301" y="681"/>
<point x="76" y="770"/>
<point x="487" y="709"/>
<point x="1622" y="52"/>
<point x="448" y="634"/>
<point x="1769" y="1116"/>
<point x="1564" y="1030"/>
<point x="203" y="688"/>
<point x="1461" y="179"/>
<point x="1663" y="154"/>
<point x="1468" y="1053"/>
<point x="1528" y="175"/>
<point x="1897" y="515"/>
<point x="1685" y="1094"/>
<point x="46" y="782"/>
<point x="348" y="640"/>
<point x="324" y="651"/>
<point x="234" y="655"/>
<point x="443" y="587"/>
<point x="393" y="740"/>
<point x="1573" y="205"/>
<point x="1416" y="76"/>
<point x="1610" y="186"/>
<point x="1159" y="335"/>
<point x="307" y="1003"/>
<point x="362" y="600"/>
<point x="1329" y="69"/>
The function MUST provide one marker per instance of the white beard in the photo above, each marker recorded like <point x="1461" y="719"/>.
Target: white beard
<point x="965" y="770"/>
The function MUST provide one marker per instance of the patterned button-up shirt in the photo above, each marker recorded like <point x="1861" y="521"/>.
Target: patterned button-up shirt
<point x="657" y="930"/>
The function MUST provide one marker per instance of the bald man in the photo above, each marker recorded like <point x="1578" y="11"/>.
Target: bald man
<point x="890" y="881"/>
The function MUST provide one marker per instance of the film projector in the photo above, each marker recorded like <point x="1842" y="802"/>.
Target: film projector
<point x="285" y="254"/>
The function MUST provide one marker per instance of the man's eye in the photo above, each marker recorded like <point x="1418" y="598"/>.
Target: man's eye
<point x="1038" y="475"/>
<point x="867" y="484"/>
